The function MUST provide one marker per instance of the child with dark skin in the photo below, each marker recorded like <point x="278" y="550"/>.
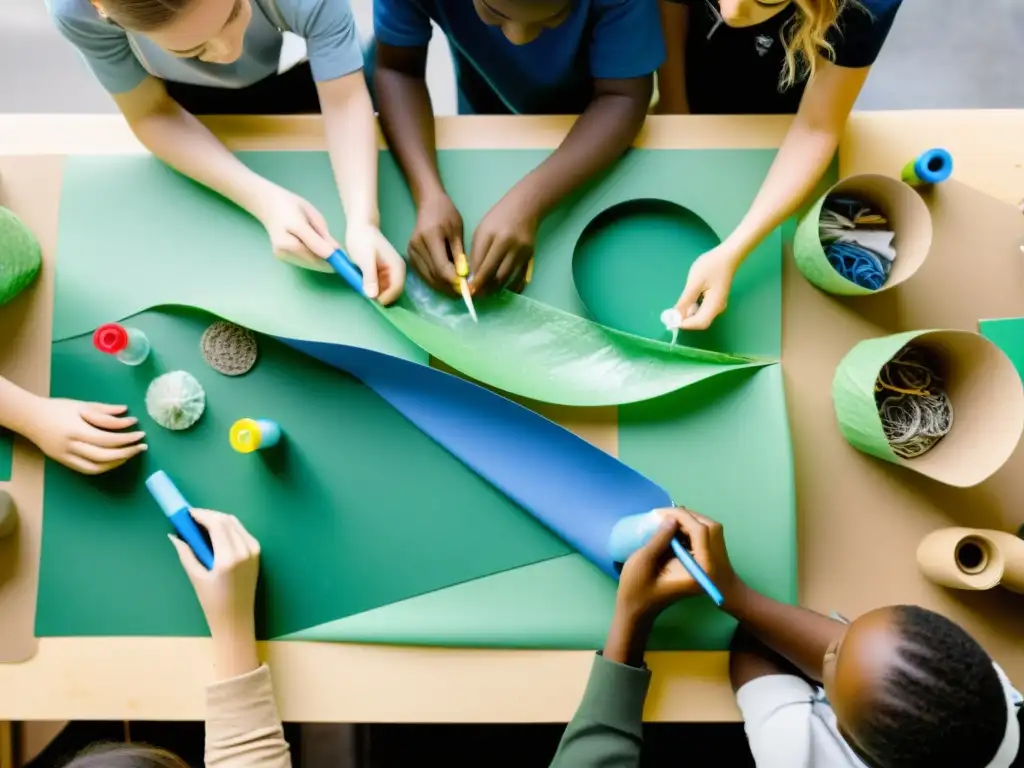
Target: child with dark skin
<point x="595" y="58"/>
<point x="903" y="687"/>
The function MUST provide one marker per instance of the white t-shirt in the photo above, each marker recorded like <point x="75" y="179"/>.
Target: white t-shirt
<point x="789" y="724"/>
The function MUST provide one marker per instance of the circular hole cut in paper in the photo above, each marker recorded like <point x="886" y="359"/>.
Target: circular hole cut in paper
<point x="631" y="262"/>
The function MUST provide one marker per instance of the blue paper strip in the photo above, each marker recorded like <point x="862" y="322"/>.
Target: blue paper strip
<point x="572" y="487"/>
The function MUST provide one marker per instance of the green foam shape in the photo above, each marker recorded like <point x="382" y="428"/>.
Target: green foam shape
<point x="695" y="442"/>
<point x="347" y="511"/>
<point x="202" y="251"/>
<point x="21" y="258"/>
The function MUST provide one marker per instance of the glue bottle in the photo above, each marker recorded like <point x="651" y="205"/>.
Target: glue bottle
<point x="129" y="345"/>
<point x="248" y="435"/>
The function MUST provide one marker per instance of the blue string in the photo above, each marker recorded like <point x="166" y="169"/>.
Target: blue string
<point x="858" y="264"/>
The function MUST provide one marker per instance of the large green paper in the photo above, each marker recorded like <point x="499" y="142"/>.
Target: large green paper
<point x="853" y="393"/>
<point x="1007" y="334"/>
<point x="695" y="442"/>
<point x="180" y="244"/>
<point x="357" y="510"/>
<point x="6" y="454"/>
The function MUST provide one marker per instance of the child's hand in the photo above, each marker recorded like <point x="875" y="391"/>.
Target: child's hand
<point x="653" y="578"/>
<point x="383" y="269"/>
<point x="709" y="281"/>
<point x="298" y="233"/>
<point x="228" y="592"/>
<point x="502" y="248"/>
<point x="438" y="233"/>
<point x="83" y="436"/>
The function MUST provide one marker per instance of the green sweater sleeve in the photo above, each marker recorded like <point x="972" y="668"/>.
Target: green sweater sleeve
<point x="607" y="729"/>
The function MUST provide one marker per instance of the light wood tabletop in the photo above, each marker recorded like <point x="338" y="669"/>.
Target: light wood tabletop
<point x="841" y="555"/>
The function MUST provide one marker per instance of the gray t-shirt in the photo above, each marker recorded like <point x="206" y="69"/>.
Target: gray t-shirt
<point x="121" y="60"/>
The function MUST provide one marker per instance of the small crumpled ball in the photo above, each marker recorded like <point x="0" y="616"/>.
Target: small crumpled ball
<point x="175" y="400"/>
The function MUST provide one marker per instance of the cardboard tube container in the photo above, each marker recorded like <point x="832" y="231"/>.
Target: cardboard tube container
<point x="982" y="385"/>
<point x="974" y="559"/>
<point x="8" y="515"/>
<point x="908" y="217"/>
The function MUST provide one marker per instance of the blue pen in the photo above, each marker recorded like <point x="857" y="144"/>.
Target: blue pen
<point x="167" y="495"/>
<point x="693" y="568"/>
<point x="347" y="270"/>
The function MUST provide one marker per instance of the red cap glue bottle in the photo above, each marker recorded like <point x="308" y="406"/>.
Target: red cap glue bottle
<point x="129" y="345"/>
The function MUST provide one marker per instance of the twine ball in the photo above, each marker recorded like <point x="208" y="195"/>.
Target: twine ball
<point x="20" y="256"/>
<point x="175" y="400"/>
<point x="228" y="348"/>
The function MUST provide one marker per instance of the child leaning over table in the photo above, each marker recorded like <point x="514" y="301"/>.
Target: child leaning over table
<point x="901" y="687"/>
<point x="243" y="729"/>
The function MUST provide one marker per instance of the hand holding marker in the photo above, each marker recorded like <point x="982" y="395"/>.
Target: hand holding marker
<point x="174" y="506"/>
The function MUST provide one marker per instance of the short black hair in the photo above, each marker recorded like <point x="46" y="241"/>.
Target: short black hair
<point x="942" y="706"/>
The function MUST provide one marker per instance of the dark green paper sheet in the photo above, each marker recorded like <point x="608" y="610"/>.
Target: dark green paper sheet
<point x="181" y="244"/>
<point x="360" y="509"/>
<point x="6" y="454"/>
<point x="721" y="447"/>
<point x="1007" y="334"/>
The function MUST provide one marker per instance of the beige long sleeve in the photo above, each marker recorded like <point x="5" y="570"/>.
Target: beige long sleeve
<point x="243" y="729"/>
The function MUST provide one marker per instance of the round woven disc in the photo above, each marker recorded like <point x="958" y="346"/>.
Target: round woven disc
<point x="229" y="348"/>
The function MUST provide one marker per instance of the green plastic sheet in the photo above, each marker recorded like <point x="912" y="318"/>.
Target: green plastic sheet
<point x="181" y="244"/>
<point x="695" y="443"/>
<point x="357" y="510"/>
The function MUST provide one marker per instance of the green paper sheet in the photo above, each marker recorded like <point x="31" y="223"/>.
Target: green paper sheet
<point x="180" y="244"/>
<point x="1007" y="334"/>
<point x="695" y="442"/>
<point x="811" y="259"/>
<point x="853" y="393"/>
<point x="349" y="511"/>
<point x="6" y="454"/>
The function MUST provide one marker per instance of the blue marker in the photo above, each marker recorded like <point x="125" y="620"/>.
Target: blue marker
<point x="167" y="495"/>
<point x="634" y="531"/>
<point x="347" y="270"/>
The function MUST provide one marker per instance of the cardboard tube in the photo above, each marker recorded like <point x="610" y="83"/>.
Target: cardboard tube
<point x="908" y="217"/>
<point x="983" y="387"/>
<point x="8" y="515"/>
<point x="974" y="559"/>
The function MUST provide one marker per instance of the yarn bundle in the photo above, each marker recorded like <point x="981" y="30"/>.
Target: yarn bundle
<point x="857" y="241"/>
<point x="912" y="403"/>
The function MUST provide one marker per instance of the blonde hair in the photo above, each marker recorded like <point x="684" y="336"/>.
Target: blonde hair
<point x="806" y="36"/>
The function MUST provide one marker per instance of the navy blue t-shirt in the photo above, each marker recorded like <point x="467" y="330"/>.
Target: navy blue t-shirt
<point x="554" y="74"/>
<point x="735" y="71"/>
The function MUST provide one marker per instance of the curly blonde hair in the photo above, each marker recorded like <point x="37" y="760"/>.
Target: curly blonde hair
<point x="806" y="36"/>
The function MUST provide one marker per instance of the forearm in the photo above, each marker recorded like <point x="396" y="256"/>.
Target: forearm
<point x="802" y="160"/>
<point x="672" y="74"/>
<point x="185" y="144"/>
<point x="407" y="119"/>
<point x="351" y="132"/>
<point x="234" y="651"/>
<point x="15" y="406"/>
<point x="799" y="635"/>
<point x="599" y="137"/>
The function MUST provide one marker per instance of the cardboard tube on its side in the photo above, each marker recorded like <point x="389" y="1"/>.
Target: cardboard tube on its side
<point x="972" y="559"/>
<point x="983" y="387"/>
<point x="8" y="515"/>
<point x="908" y="217"/>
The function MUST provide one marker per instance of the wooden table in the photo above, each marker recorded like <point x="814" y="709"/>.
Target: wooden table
<point x="163" y="678"/>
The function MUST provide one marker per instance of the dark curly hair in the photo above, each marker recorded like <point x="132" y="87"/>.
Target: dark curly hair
<point x="942" y="706"/>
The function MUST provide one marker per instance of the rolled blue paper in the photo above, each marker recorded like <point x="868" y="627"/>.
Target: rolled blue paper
<point x="348" y="271"/>
<point x="630" y="534"/>
<point x="931" y="167"/>
<point x="569" y="485"/>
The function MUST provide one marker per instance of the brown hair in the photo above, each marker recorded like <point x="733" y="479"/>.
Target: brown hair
<point x="125" y="756"/>
<point x="142" y="15"/>
<point x="806" y="36"/>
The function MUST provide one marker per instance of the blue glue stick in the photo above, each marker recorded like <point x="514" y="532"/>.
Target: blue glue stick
<point x="633" y="532"/>
<point x="167" y="495"/>
<point x="347" y="270"/>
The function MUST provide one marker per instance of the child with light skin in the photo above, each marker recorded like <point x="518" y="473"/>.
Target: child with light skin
<point x="243" y="728"/>
<point x="90" y="438"/>
<point x="164" y="61"/>
<point x="901" y="687"/>
<point x="594" y="58"/>
<point x="808" y="57"/>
